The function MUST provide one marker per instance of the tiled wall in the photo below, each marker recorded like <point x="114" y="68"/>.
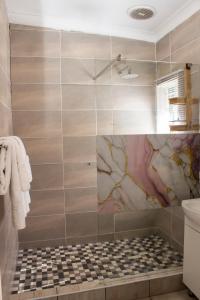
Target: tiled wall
<point x="182" y="44"/>
<point x="58" y="110"/>
<point x="8" y="236"/>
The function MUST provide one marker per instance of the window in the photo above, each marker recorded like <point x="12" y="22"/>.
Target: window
<point x="176" y="109"/>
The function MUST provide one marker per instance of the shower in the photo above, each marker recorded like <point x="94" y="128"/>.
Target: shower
<point x="122" y="67"/>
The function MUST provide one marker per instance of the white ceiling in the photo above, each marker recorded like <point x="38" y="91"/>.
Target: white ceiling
<point x="102" y="16"/>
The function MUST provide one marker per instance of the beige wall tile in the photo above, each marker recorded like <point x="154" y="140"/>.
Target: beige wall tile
<point x="104" y="98"/>
<point x="82" y="45"/>
<point x="163" y="48"/>
<point x="35" y="43"/>
<point x="78" y="97"/>
<point x="5" y="97"/>
<point x="37" y="123"/>
<point x="35" y="70"/>
<point x="163" y="69"/>
<point x="81" y="200"/>
<point x="166" y="285"/>
<point x="135" y="220"/>
<point x="133" y="98"/>
<point x="79" y="149"/>
<point x="78" y="71"/>
<point x="186" y="32"/>
<point x="134" y="122"/>
<point x="42" y="244"/>
<point x="47" y="177"/>
<point x="177" y="229"/>
<point x="43" y="228"/>
<point x="79" y="123"/>
<point x="8" y="234"/>
<point x="81" y="224"/>
<point x="5" y="120"/>
<point x="36" y="97"/>
<point x="128" y="291"/>
<point x="105" y="223"/>
<point x="80" y="175"/>
<point x="146" y="72"/>
<point x="133" y="49"/>
<point x="104" y="122"/>
<point x="163" y="221"/>
<point x="47" y="203"/>
<point x="103" y="71"/>
<point x="44" y="150"/>
<point x="188" y="54"/>
<point x="90" y="295"/>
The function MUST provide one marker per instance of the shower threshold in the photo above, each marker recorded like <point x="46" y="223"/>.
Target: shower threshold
<point x="96" y="268"/>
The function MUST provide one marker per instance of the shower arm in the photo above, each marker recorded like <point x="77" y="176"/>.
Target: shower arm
<point x="118" y="58"/>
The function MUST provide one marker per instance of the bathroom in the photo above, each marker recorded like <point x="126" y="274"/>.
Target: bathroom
<point x="105" y="98"/>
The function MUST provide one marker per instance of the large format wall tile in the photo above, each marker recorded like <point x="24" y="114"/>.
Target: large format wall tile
<point x="47" y="202"/>
<point x="80" y="200"/>
<point x="90" y="295"/>
<point x="186" y="32"/>
<point x="133" y="49"/>
<point x="81" y="45"/>
<point x="44" y="150"/>
<point x="188" y="54"/>
<point x="43" y="228"/>
<point x="78" y="97"/>
<point x="79" y="123"/>
<point x="36" y="97"/>
<point x="104" y="98"/>
<point x="77" y="71"/>
<point x="131" y="291"/>
<point x="5" y="120"/>
<point x="136" y="220"/>
<point x="81" y="224"/>
<point x="37" y="124"/>
<point x="47" y="177"/>
<point x="35" y="70"/>
<point x="133" y="98"/>
<point x="163" y="48"/>
<point x="73" y="152"/>
<point x="104" y="122"/>
<point x="5" y="97"/>
<point x="133" y="122"/>
<point x="27" y="43"/>
<point x="80" y="175"/>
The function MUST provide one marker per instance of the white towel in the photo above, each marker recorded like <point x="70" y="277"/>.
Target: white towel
<point x="15" y="170"/>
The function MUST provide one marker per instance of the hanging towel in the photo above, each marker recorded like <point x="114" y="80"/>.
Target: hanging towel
<point x="15" y="171"/>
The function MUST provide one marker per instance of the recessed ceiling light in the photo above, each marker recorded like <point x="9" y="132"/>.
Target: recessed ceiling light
<point x="141" y="12"/>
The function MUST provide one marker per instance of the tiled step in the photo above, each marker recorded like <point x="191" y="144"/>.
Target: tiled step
<point x="132" y="288"/>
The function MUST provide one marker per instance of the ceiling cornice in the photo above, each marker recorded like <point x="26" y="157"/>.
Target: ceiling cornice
<point x="172" y="22"/>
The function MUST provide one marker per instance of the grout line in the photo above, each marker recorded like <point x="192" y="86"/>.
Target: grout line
<point x="82" y="58"/>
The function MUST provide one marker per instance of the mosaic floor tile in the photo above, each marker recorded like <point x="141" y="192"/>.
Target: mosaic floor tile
<point x="65" y="265"/>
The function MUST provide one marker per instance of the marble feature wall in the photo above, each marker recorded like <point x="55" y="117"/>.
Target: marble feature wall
<point x="141" y="172"/>
<point x="58" y="110"/>
<point x="8" y="235"/>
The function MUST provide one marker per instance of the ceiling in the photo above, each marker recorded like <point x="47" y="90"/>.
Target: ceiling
<point x="102" y="16"/>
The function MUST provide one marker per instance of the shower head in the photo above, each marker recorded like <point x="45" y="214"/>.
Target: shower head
<point x="127" y="74"/>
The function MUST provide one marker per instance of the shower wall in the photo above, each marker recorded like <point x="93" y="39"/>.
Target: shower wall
<point x="58" y="110"/>
<point x="8" y="235"/>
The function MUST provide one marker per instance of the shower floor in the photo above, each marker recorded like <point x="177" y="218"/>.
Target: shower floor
<point x="44" y="268"/>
